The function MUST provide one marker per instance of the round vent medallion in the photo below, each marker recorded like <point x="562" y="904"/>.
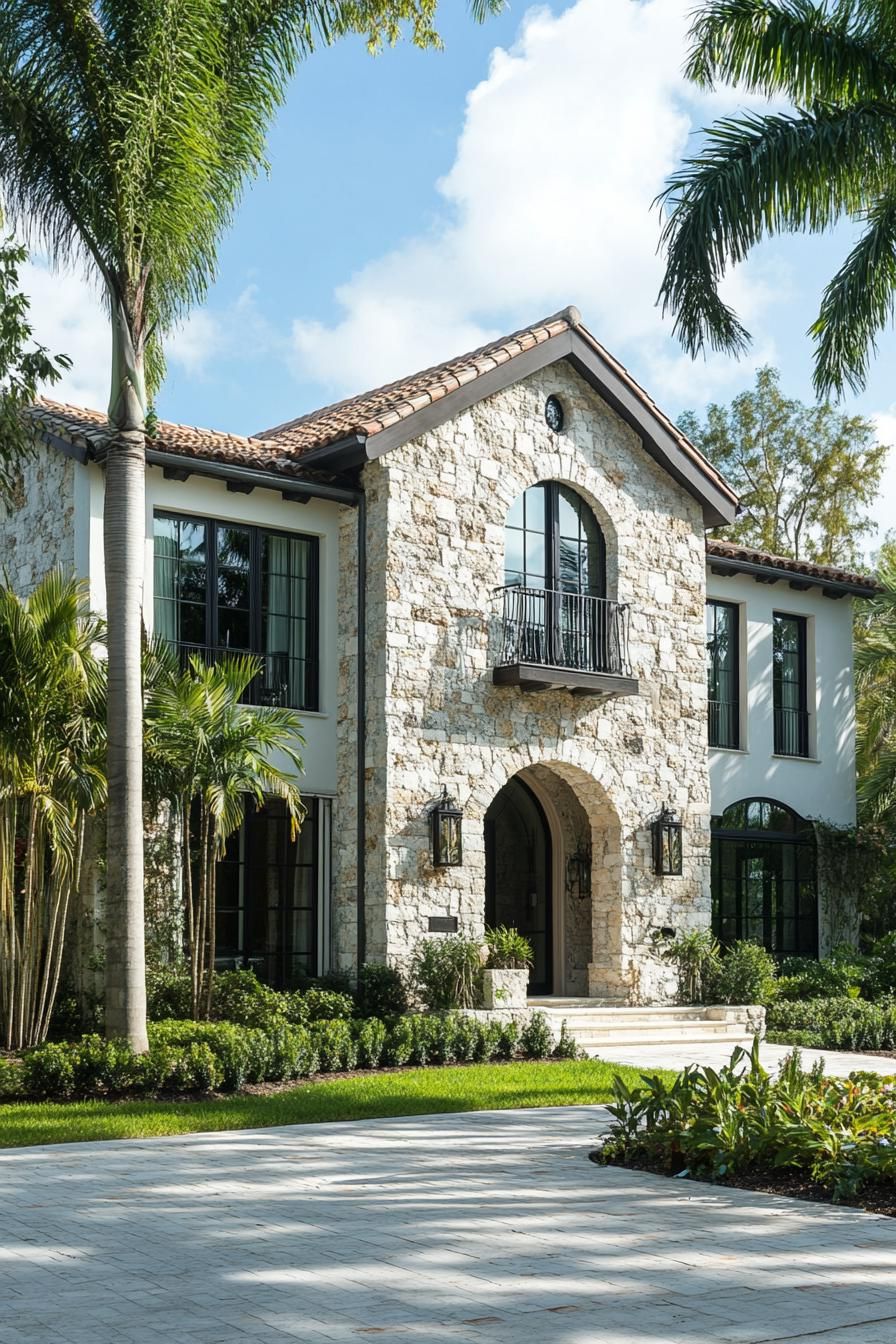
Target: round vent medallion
<point x="553" y="414"/>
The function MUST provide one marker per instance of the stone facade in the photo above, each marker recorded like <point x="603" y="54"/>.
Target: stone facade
<point x="436" y="515"/>
<point x="37" y="527"/>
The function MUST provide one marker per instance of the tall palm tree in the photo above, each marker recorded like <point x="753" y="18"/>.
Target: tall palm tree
<point x="797" y="171"/>
<point x="127" y="132"/>
<point x="204" y="746"/>
<point x="51" y="777"/>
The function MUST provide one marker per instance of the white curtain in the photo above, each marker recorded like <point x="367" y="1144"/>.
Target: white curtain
<point x="286" y="618"/>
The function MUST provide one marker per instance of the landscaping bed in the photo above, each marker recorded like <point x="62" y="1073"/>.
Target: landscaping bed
<point x="798" y="1133"/>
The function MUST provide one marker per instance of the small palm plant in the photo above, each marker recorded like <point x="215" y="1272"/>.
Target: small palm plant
<point x="508" y="949"/>
<point x="52" y="683"/>
<point x="205" y="749"/>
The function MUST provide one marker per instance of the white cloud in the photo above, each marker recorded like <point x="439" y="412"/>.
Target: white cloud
<point x="564" y="146"/>
<point x="67" y="317"/>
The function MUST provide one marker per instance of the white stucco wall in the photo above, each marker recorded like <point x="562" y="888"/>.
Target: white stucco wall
<point x="822" y="786"/>
<point x="208" y="498"/>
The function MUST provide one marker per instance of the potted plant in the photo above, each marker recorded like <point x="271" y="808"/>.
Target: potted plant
<point x="505" y="978"/>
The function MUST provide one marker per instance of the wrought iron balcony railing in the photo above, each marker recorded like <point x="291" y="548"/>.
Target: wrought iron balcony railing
<point x="723" y="723"/>
<point x="544" y="627"/>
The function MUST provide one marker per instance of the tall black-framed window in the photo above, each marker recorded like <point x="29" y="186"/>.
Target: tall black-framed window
<point x="764" y="878"/>
<point x="723" y="673"/>
<point x="790" y="685"/>
<point x="231" y="588"/>
<point x="267" y="908"/>
<point x="552" y="540"/>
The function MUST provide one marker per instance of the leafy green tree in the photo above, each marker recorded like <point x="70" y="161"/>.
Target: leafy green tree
<point x="51" y="778"/>
<point x="805" y="474"/>
<point x="791" y="172"/>
<point x="204" y="747"/>
<point x="875" y="661"/>
<point x="127" y="133"/>
<point x="24" y="366"/>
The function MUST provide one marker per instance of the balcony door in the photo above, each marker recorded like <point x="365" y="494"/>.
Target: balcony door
<point x="518" y="875"/>
<point x="555" y="558"/>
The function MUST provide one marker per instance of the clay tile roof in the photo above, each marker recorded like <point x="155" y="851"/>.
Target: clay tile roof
<point x="89" y="430"/>
<point x="729" y="550"/>
<point x="371" y="412"/>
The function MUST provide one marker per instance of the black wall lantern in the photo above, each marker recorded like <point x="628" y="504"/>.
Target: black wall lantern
<point x="445" y="819"/>
<point x="667" y="849"/>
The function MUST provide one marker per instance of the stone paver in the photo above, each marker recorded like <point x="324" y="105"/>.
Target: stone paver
<point x="837" y="1063"/>
<point x="488" y="1227"/>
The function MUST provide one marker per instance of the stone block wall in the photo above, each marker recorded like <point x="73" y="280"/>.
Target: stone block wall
<point x="437" y="508"/>
<point x="37" y="527"/>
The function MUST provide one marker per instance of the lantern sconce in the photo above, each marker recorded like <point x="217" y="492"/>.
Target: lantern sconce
<point x="445" y="818"/>
<point x="667" y="847"/>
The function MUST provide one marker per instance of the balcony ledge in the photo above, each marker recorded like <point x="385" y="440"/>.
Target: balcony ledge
<point x="533" y="677"/>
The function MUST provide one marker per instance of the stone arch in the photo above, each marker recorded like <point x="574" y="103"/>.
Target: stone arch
<point x="588" y="871"/>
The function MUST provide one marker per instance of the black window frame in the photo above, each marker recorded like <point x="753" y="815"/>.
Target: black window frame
<point x="786" y="930"/>
<point x="257" y="533"/>
<point x="791" y="735"/>
<point x="722" y="712"/>
<point x="550" y="530"/>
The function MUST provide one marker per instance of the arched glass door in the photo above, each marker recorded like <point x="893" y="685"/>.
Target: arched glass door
<point x="518" y="875"/>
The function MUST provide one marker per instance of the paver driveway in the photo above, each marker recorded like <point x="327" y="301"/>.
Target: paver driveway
<point x="837" y="1063"/>
<point x="487" y="1227"/>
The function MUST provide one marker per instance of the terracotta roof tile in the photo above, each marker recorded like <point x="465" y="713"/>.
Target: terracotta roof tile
<point x="370" y="412"/>
<point x="729" y="550"/>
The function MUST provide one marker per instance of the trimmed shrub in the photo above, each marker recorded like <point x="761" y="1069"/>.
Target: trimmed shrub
<point x="243" y="1053"/>
<point x="49" y="1070"/>
<point x="833" y="1024"/>
<point x="399" y="1043"/>
<point x="167" y="992"/>
<point x="11" y="1084"/>
<point x="507" y="1040"/>
<point x="468" y="1036"/>
<point x="536" y="1037"/>
<point x="317" y="1005"/>
<point x="747" y="974"/>
<point x="381" y="992"/>
<point x="334" y="1045"/>
<point x="240" y="997"/>
<point x="488" y="1042"/>
<point x="805" y="978"/>
<point x="370" y="1037"/>
<point x="566" y="1047"/>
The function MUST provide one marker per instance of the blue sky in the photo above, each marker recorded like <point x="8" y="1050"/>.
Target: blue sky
<point x="422" y="202"/>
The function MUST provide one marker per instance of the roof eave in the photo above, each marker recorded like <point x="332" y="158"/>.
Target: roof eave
<point x="719" y="505"/>
<point x="726" y="565"/>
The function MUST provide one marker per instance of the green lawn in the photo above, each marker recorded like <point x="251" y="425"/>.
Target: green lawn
<point x="475" y="1087"/>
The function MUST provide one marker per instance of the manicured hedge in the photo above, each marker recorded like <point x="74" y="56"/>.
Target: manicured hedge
<point x="187" y="1056"/>
<point x="841" y="1023"/>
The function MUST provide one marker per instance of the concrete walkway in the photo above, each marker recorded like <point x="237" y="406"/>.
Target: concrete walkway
<point x="837" y="1063"/>
<point x="490" y="1227"/>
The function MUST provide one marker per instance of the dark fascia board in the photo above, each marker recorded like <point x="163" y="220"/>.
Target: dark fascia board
<point x="725" y="566"/>
<point x="717" y="506"/>
<point x="238" y="479"/>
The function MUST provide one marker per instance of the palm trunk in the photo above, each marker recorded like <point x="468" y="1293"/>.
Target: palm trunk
<point x="124" y="532"/>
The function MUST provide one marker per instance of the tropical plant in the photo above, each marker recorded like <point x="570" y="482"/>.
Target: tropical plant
<point x="747" y="973"/>
<point x="508" y="949"/>
<point x="805" y="475"/>
<point x="447" y="971"/>
<point x="213" y="755"/>
<point x="24" y="366"/>
<point x="695" y="956"/>
<point x="51" y="778"/>
<point x="795" y="171"/>
<point x="127" y="133"/>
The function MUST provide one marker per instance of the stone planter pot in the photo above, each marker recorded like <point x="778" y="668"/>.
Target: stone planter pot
<point x="504" y="989"/>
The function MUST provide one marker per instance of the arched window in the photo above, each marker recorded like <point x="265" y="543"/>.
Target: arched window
<point x="555" y="608"/>
<point x="764" y="877"/>
<point x="553" y="541"/>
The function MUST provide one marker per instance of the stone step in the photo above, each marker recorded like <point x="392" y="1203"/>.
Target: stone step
<point x="598" y="1041"/>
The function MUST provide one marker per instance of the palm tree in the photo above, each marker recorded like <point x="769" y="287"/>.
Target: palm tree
<point x="127" y="132"/>
<point x="204" y="746"/>
<point x="875" y="658"/>
<point x="799" y="171"/>
<point x="51" y="778"/>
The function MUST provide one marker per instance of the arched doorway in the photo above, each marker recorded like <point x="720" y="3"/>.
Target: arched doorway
<point x="518" y="874"/>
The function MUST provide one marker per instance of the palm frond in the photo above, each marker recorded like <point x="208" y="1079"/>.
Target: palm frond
<point x="756" y="177"/>
<point x="835" y="53"/>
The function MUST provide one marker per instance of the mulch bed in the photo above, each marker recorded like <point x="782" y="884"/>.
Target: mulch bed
<point x="879" y="1199"/>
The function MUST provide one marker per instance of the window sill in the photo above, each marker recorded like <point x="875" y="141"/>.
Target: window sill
<point x="731" y="751"/>
<point x="807" y="760"/>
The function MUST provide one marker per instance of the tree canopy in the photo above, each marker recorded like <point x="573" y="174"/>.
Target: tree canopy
<point x="800" y="171"/>
<point x="805" y="474"/>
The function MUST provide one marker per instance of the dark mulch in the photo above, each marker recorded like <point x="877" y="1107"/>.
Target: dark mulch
<point x="879" y="1198"/>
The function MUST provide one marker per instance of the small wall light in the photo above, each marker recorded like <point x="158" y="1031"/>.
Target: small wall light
<point x="445" y="819"/>
<point x="667" y="846"/>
